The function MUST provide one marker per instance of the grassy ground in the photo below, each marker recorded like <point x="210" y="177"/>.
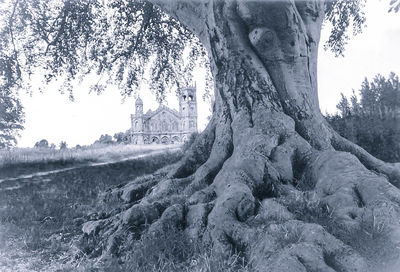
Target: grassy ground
<point x="21" y="161"/>
<point x="41" y="216"/>
<point x="41" y="219"/>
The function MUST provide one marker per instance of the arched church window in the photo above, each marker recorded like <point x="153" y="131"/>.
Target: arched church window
<point x="190" y="97"/>
<point x="164" y="126"/>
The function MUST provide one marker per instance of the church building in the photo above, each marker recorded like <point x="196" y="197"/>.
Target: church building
<point x="166" y="125"/>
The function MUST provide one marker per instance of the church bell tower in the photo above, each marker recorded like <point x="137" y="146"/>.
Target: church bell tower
<point x="188" y="109"/>
<point x="137" y="122"/>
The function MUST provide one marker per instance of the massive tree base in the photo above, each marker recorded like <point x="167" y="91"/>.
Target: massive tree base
<point x="268" y="178"/>
<point x="262" y="190"/>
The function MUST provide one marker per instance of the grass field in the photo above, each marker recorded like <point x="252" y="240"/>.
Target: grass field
<point x="41" y="216"/>
<point x="20" y="161"/>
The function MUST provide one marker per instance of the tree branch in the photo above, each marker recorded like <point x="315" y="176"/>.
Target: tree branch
<point x="191" y="13"/>
<point x="60" y="29"/>
<point x="13" y="40"/>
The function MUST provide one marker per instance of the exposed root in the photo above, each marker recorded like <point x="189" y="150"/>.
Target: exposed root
<point x="197" y="219"/>
<point x="290" y="158"/>
<point x="298" y="246"/>
<point x="197" y="154"/>
<point x="273" y="198"/>
<point x="220" y="151"/>
<point x="355" y="201"/>
<point x="391" y="170"/>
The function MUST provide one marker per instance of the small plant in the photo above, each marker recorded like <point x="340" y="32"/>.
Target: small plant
<point x="63" y="145"/>
<point x="174" y="251"/>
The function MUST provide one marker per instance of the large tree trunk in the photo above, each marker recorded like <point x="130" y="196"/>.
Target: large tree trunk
<point x="268" y="166"/>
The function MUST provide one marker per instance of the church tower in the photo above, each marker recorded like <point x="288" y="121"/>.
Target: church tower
<point x="139" y="106"/>
<point x="188" y="109"/>
<point x="137" y="122"/>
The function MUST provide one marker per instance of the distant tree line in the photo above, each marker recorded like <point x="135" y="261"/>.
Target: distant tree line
<point x="105" y="139"/>
<point x="371" y="119"/>
<point x="118" y="138"/>
<point x="45" y="144"/>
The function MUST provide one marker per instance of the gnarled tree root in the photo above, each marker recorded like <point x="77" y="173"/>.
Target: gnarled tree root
<point x="391" y="170"/>
<point x="265" y="192"/>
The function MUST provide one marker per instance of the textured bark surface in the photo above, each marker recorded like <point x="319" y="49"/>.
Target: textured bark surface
<point x="268" y="177"/>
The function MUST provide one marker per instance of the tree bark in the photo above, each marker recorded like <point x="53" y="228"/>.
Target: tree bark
<point x="268" y="166"/>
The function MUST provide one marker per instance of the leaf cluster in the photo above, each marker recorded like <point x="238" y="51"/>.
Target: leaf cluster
<point x="124" y="39"/>
<point x="11" y="119"/>
<point x="345" y="16"/>
<point x="69" y="39"/>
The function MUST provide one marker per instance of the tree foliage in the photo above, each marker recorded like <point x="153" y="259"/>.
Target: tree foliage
<point x="373" y="121"/>
<point x="347" y="16"/>
<point x="104" y="139"/>
<point x="120" y="38"/>
<point x="342" y="15"/>
<point x="11" y="118"/>
<point x="122" y="137"/>
<point x="63" y="145"/>
<point x="42" y="144"/>
<point x="122" y="41"/>
<point x="394" y="5"/>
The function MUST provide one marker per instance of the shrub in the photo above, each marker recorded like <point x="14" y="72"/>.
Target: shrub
<point x="63" y="145"/>
<point x="104" y="139"/>
<point x="122" y="137"/>
<point x="42" y="144"/>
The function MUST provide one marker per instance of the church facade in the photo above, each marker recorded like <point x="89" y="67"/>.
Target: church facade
<point x="165" y="125"/>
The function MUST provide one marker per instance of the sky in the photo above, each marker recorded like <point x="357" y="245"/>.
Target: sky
<point x="376" y="50"/>
<point x="52" y="116"/>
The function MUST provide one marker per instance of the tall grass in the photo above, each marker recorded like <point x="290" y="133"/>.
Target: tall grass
<point x="168" y="251"/>
<point x="96" y="153"/>
<point x="27" y="160"/>
<point x="173" y="251"/>
<point x="40" y="219"/>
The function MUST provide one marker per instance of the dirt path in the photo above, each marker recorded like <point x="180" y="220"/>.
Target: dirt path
<point x="41" y="214"/>
<point x="17" y="182"/>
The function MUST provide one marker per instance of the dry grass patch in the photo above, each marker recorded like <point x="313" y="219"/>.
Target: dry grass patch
<point x="40" y="219"/>
<point x="19" y="161"/>
<point x="169" y="251"/>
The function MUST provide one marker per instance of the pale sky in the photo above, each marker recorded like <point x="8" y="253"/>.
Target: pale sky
<point x="376" y="50"/>
<point x="50" y="115"/>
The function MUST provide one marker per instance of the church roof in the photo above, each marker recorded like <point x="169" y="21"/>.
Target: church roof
<point x="150" y="113"/>
<point x="139" y="101"/>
